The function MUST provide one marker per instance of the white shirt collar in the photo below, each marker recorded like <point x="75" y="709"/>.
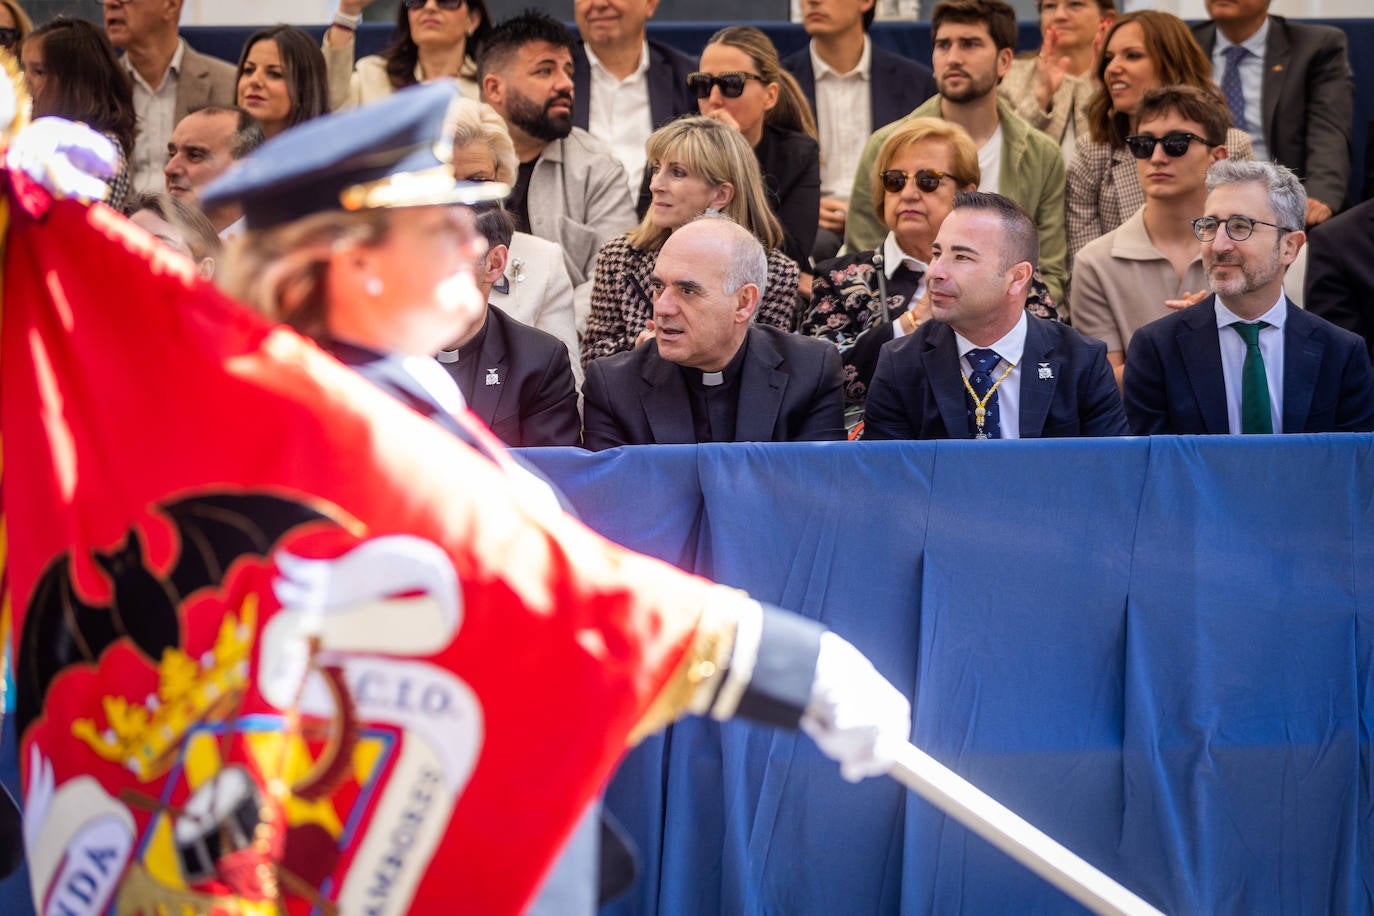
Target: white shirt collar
<point x="173" y="67"/>
<point x="600" y="68"/>
<point x="822" y="70"/>
<point x="894" y="257"/>
<point x="1254" y="44"/>
<point x="1010" y="347"/>
<point x="1276" y="316"/>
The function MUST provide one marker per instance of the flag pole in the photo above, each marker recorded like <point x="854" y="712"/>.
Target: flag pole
<point x="1012" y="834"/>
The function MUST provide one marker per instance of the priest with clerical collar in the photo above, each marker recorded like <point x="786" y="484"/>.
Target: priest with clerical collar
<point x="709" y="373"/>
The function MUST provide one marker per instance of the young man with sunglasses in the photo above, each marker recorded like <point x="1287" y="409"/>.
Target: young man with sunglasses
<point x="1245" y="359"/>
<point x="974" y="42"/>
<point x="854" y="87"/>
<point x="1125" y="279"/>
<point x="170" y="78"/>
<point x="626" y="85"/>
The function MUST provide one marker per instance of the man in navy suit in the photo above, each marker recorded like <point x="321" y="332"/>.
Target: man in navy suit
<point x="625" y="86"/>
<point x="982" y="368"/>
<point x="854" y="88"/>
<point x="1245" y="359"/>
<point x="711" y="374"/>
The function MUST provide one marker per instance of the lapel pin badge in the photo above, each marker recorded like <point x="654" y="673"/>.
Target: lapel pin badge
<point x="517" y="270"/>
<point x="1046" y="371"/>
<point x="493" y="377"/>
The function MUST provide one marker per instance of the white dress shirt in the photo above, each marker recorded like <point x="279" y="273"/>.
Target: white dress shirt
<point x="1010" y="348"/>
<point x="157" y="114"/>
<point x="1233" y="360"/>
<point x="618" y="113"/>
<point x="844" y="116"/>
<point x="1251" y="82"/>
<point x="894" y="257"/>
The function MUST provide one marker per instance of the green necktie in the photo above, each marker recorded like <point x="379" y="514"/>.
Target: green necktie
<point x="1254" y="384"/>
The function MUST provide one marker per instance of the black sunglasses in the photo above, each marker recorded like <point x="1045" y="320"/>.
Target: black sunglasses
<point x="731" y="84"/>
<point x="9" y="38"/>
<point x="927" y="180"/>
<point x="442" y="4"/>
<point x="1175" y="144"/>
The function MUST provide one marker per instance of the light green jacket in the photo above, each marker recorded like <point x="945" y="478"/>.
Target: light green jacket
<point x="1032" y="175"/>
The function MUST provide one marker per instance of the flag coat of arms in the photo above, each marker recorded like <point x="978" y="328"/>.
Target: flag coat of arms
<point x="279" y="641"/>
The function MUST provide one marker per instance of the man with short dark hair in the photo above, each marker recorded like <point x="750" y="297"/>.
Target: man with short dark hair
<point x="202" y="147"/>
<point x="170" y="78"/>
<point x="626" y="86"/>
<point x="583" y="200"/>
<point x="974" y="42"/>
<point x="1290" y="87"/>
<point x="1245" y="359"/>
<point x="983" y="368"/>
<point x="854" y="88"/>
<point x="710" y="374"/>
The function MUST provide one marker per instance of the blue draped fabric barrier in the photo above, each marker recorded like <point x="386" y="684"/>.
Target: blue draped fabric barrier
<point x="911" y="39"/>
<point x="1159" y="651"/>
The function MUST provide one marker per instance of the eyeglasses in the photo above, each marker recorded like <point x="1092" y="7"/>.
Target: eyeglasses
<point x="927" y="180"/>
<point x="1175" y="144"/>
<point x="731" y="84"/>
<point x="442" y="4"/>
<point x="1239" y="228"/>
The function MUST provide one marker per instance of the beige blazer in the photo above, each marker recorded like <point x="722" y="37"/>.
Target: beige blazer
<point x="352" y="85"/>
<point x="541" y="293"/>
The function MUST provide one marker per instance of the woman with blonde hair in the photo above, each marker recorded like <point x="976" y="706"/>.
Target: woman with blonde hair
<point x="742" y="83"/>
<point x="696" y="165"/>
<point x="861" y="301"/>
<point x="1143" y="50"/>
<point x="15" y="26"/>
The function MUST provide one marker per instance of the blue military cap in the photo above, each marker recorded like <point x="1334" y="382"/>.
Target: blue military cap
<point x="397" y="152"/>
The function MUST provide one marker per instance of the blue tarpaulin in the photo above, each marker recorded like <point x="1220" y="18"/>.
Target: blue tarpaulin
<point x="1159" y="651"/>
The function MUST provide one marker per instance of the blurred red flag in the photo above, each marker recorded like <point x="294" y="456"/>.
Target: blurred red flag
<point x="278" y="637"/>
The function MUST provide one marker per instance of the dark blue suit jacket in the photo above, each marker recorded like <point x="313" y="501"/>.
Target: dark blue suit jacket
<point x="667" y="78"/>
<point x="918" y="389"/>
<point x="1174" y="384"/>
<point x="898" y="86"/>
<point x="789" y="392"/>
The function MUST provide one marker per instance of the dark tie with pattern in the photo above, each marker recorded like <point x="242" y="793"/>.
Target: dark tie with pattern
<point x="1255" y="416"/>
<point x="1231" y="85"/>
<point x="984" y="398"/>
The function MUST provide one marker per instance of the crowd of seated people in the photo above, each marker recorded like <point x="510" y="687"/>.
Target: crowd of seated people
<point x="1092" y="239"/>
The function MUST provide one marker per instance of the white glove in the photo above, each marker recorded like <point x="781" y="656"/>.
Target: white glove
<point x="65" y="157"/>
<point x="855" y="716"/>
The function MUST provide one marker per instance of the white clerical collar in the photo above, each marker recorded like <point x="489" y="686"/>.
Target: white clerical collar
<point x="894" y="257"/>
<point x="1276" y="316"/>
<point x="597" y="65"/>
<point x="823" y="70"/>
<point x="1011" y="347"/>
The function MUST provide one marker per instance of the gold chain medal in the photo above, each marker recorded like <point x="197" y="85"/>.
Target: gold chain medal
<point x="980" y="405"/>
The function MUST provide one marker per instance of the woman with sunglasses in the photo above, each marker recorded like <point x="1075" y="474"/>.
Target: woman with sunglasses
<point x="72" y="72"/>
<point x="15" y="26"/>
<point x="434" y="39"/>
<point x="281" y="79"/>
<point x="741" y="83"/>
<point x="1052" y="88"/>
<point x="1143" y="50"/>
<point x="695" y="165"/>
<point x="861" y="301"/>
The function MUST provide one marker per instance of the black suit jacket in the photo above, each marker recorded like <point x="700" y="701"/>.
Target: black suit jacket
<point x="789" y="391"/>
<point x="532" y="400"/>
<point x="667" y="78"/>
<point x="918" y="389"/>
<point x="1340" y="271"/>
<point x="897" y="86"/>
<point x="1307" y="102"/>
<point x="791" y="165"/>
<point x="1174" y="383"/>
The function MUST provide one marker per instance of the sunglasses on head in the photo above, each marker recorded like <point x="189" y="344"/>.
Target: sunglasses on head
<point x="1175" y="144"/>
<point x="731" y="84"/>
<point x="927" y="180"/>
<point x="442" y="4"/>
<point x="9" y="38"/>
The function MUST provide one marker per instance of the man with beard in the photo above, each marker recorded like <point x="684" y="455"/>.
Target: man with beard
<point x="974" y="42"/>
<point x="1245" y="359"/>
<point x="580" y="193"/>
